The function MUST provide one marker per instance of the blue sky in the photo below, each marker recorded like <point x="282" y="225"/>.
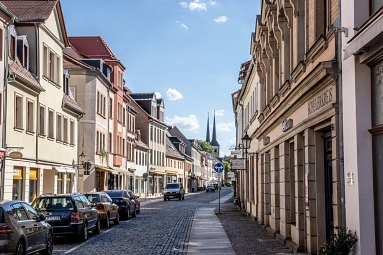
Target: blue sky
<point x="189" y="52"/>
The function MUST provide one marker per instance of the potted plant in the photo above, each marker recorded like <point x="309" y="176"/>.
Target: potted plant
<point x="341" y="243"/>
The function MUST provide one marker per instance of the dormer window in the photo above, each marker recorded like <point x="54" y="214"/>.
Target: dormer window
<point x="22" y="48"/>
<point x="25" y="56"/>
<point x="66" y="82"/>
<point x="12" y="48"/>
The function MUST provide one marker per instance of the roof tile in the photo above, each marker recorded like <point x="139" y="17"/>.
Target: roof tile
<point x="30" y="10"/>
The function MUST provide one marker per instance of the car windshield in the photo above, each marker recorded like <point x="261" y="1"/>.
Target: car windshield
<point x="93" y="197"/>
<point x="114" y="193"/>
<point x="172" y="186"/>
<point x="210" y="186"/>
<point x="52" y="204"/>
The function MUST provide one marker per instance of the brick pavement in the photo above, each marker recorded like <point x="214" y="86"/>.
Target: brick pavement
<point x="247" y="236"/>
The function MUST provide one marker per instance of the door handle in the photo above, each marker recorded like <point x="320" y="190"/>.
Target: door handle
<point x="22" y="226"/>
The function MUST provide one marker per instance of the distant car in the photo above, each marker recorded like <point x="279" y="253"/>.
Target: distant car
<point x="135" y="197"/>
<point x="125" y="203"/>
<point x="174" y="190"/>
<point x="228" y="184"/>
<point x="23" y="230"/>
<point x="105" y="206"/>
<point x="69" y="214"/>
<point x="210" y="188"/>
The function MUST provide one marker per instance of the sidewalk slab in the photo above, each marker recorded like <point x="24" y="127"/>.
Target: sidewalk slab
<point x="207" y="234"/>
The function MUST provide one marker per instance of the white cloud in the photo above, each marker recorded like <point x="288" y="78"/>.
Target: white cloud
<point x="158" y="95"/>
<point x="225" y="127"/>
<point x="184" y="26"/>
<point x="221" y="19"/>
<point x="186" y="123"/>
<point x="211" y="2"/>
<point x="220" y="112"/>
<point x="173" y="94"/>
<point x="197" y="5"/>
<point x="184" y="4"/>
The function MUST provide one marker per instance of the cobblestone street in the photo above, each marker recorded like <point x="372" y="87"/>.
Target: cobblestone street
<point x="163" y="227"/>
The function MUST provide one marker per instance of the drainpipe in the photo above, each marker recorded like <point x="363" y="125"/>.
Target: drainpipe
<point x="4" y="133"/>
<point x="38" y="96"/>
<point x="340" y="117"/>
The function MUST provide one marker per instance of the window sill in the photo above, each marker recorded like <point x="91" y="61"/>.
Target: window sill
<point x="72" y="144"/>
<point x="29" y="132"/>
<point x="51" y="81"/>
<point x="51" y="138"/>
<point x="42" y="135"/>
<point x="101" y="115"/>
<point x="18" y="129"/>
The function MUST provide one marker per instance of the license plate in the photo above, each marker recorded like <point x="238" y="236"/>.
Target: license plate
<point x="171" y="196"/>
<point x="52" y="218"/>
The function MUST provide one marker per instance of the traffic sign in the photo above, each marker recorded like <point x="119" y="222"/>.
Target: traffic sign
<point x="218" y="167"/>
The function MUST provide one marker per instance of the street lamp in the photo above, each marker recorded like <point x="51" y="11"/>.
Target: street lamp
<point x="246" y="142"/>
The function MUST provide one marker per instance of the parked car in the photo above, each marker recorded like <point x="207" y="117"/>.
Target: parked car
<point x="135" y="198"/>
<point x="23" y="230"/>
<point x="174" y="190"/>
<point x="126" y="204"/>
<point x="105" y="206"/>
<point x="69" y="214"/>
<point x="210" y="188"/>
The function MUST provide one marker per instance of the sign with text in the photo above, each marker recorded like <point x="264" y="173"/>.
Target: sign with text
<point x="230" y="175"/>
<point x="237" y="164"/>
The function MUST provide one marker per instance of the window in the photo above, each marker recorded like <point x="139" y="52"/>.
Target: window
<point x="19" y="212"/>
<point x="25" y="56"/>
<point x="78" y="202"/>
<point x="123" y="116"/>
<point x="1" y="43"/>
<point x="110" y="108"/>
<point x="45" y="69"/>
<point x="376" y="5"/>
<point x="42" y="120"/>
<point x="72" y="132"/>
<point x="98" y="101"/>
<point x="32" y="213"/>
<point x="51" y="65"/>
<point x="17" y="186"/>
<point x="59" y="127"/>
<point x="30" y="116"/>
<point x="110" y="142"/>
<point x="97" y="141"/>
<point x="59" y="183"/>
<point x="51" y="121"/>
<point x="32" y="184"/>
<point x="58" y="72"/>
<point x="65" y="130"/>
<point x="18" y="111"/>
<point x="12" y="48"/>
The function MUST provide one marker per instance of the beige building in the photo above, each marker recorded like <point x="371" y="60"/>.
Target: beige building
<point x="41" y="132"/>
<point x="293" y="182"/>
<point x="175" y="163"/>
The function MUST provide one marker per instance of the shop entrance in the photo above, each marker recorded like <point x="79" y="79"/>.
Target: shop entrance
<point x="328" y="186"/>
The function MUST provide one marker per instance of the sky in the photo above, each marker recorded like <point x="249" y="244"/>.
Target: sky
<point x="188" y="52"/>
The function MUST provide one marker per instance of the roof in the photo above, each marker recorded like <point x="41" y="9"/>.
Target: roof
<point x="69" y="101"/>
<point x="30" y="10"/>
<point x="92" y="47"/>
<point x="142" y="96"/>
<point x="172" y="151"/>
<point x="23" y="75"/>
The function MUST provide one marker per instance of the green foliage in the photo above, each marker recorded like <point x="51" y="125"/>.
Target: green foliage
<point x="341" y="243"/>
<point x="205" y="146"/>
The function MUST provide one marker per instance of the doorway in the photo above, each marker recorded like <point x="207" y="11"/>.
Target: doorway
<point x="328" y="186"/>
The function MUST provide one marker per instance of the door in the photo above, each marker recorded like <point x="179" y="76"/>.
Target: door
<point x="328" y="186"/>
<point x="26" y="225"/>
<point x="39" y="229"/>
<point x="90" y="213"/>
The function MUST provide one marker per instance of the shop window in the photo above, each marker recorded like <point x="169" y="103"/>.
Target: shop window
<point x="68" y="183"/>
<point x="60" y="183"/>
<point x="17" y="188"/>
<point x="32" y="184"/>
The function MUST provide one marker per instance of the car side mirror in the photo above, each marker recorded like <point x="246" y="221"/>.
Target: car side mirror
<point x="41" y="217"/>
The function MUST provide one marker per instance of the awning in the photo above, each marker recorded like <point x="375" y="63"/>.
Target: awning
<point x="171" y="172"/>
<point x="102" y="168"/>
<point x="62" y="169"/>
<point x="116" y="170"/>
<point x="157" y="172"/>
<point x="364" y="37"/>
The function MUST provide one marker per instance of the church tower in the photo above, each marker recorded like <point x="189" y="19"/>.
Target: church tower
<point x="207" y="130"/>
<point x="214" y="142"/>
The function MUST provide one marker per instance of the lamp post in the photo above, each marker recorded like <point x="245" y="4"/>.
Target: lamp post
<point x="85" y="164"/>
<point x="246" y="142"/>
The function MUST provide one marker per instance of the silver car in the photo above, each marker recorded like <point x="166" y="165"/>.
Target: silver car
<point x="174" y="190"/>
<point x="23" y="230"/>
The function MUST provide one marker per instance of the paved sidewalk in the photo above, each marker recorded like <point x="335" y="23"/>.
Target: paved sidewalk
<point x="207" y="234"/>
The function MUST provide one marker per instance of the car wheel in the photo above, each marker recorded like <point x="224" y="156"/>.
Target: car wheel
<point x="49" y="248"/>
<point x="134" y="214"/>
<point x="164" y="198"/>
<point x="106" y="222"/>
<point x="20" y="248"/>
<point x="84" y="234"/>
<point x="128" y="214"/>
<point x="116" y="221"/>
<point x="97" y="229"/>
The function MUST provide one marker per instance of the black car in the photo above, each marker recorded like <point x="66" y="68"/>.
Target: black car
<point x="23" y="230"/>
<point x="126" y="203"/>
<point x="69" y="214"/>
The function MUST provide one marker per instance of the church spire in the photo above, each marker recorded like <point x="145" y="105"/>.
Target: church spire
<point x="214" y="138"/>
<point x="207" y="130"/>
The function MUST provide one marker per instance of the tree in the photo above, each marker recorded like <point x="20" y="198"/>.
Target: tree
<point x="205" y="146"/>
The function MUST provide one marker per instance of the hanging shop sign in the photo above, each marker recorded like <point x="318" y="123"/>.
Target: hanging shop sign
<point x="15" y="154"/>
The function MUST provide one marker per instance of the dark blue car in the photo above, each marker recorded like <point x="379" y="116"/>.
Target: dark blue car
<point x="126" y="204"/>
